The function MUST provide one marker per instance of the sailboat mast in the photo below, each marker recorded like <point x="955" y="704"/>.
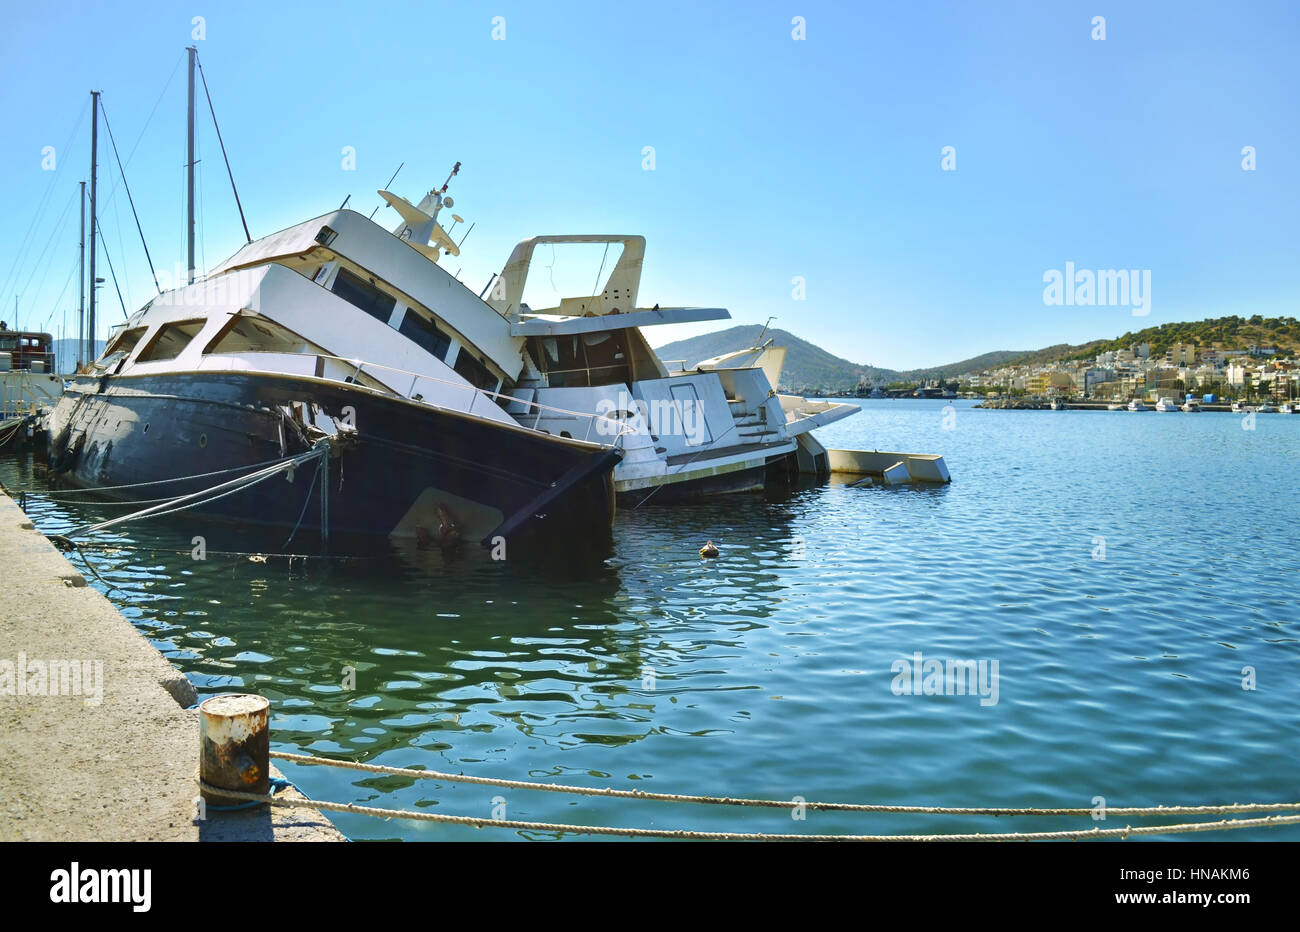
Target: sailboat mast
<point x="81" y="283"/>
<point x="189" y="171"/>
<point x="94" y="147"/>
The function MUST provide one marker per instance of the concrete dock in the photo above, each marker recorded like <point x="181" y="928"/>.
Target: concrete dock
<point x="96" y="742"/>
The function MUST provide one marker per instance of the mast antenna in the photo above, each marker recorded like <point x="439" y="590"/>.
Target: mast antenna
<point x="387" y="187"/>
<point x="81" y="283"/>
<point x="189" y="173"/>
<point x="94" y="226"/>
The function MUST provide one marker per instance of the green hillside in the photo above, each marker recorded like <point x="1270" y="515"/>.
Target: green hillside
<point x="1217" y="333"/>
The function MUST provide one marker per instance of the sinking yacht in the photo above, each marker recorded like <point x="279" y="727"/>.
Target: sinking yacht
<point x="340" y="338"/>
<point x="717" y="427"/>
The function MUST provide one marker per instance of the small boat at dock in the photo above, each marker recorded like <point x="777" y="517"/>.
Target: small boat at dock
<point x="28" y="382"/>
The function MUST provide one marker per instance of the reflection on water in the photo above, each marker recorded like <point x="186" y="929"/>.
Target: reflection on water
<point x="767" y="671"/>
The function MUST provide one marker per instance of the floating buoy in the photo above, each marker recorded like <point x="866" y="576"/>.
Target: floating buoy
<point x="709" y="550"/>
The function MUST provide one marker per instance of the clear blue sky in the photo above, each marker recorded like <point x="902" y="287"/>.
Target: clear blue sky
<point x="775" y="158"/>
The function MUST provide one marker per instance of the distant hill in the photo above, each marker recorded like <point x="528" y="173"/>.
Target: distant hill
<point x="809" y="366"/>
<point x="974" y="364"/>
<point x="806" y="365"/>
<point x="65" y="354"/>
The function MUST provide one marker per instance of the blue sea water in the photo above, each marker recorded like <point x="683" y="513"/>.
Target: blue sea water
<point x="1127" y="573"/>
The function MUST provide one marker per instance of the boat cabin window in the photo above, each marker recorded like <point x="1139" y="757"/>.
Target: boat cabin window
<point x="425" y="333"/>
<point x="170" y="340"/>
<point x="28" y="350"/>
<point x="125" y="341"/>
<point x="356" y="290"/>
<point x="254" y="335"/>
<point x="580" y="360"/>
<point x="474" y="370"/>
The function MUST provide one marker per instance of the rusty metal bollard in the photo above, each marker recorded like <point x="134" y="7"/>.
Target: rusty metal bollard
<point x="235" y="745"/>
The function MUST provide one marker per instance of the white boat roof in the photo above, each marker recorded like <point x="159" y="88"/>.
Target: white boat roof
<point x="539" y="325"/>
<point x="399" y="263"/>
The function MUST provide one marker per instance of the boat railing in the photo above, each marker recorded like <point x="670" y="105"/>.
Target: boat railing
<point x="615" y="428"/>
<point x="610" y="434"/>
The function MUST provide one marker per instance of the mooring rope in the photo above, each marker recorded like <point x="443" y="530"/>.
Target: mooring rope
<point x="11" y="431"/>
<point x="66" y="544"/>
<point x="69" y="497"/>
<point x="114" y="546"/>
<point x="689" y="835"/>
<point x="781" y="803"/>
<point x="206" y="496"/>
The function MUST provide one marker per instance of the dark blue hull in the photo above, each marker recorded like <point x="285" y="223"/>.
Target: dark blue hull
<point x="408" y="470"/>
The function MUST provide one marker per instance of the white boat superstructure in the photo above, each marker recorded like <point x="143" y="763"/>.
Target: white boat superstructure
<point x="716" y="427"/>
<point x="1166" y="405"/>
<point x="1136" y="405"/>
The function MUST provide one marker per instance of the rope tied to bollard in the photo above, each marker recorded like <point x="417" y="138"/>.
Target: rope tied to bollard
<point x="780" y="803"/>
<point x="689" y="835"/>
<point x="277" y="784"/>
<point x="234" y="764"/>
